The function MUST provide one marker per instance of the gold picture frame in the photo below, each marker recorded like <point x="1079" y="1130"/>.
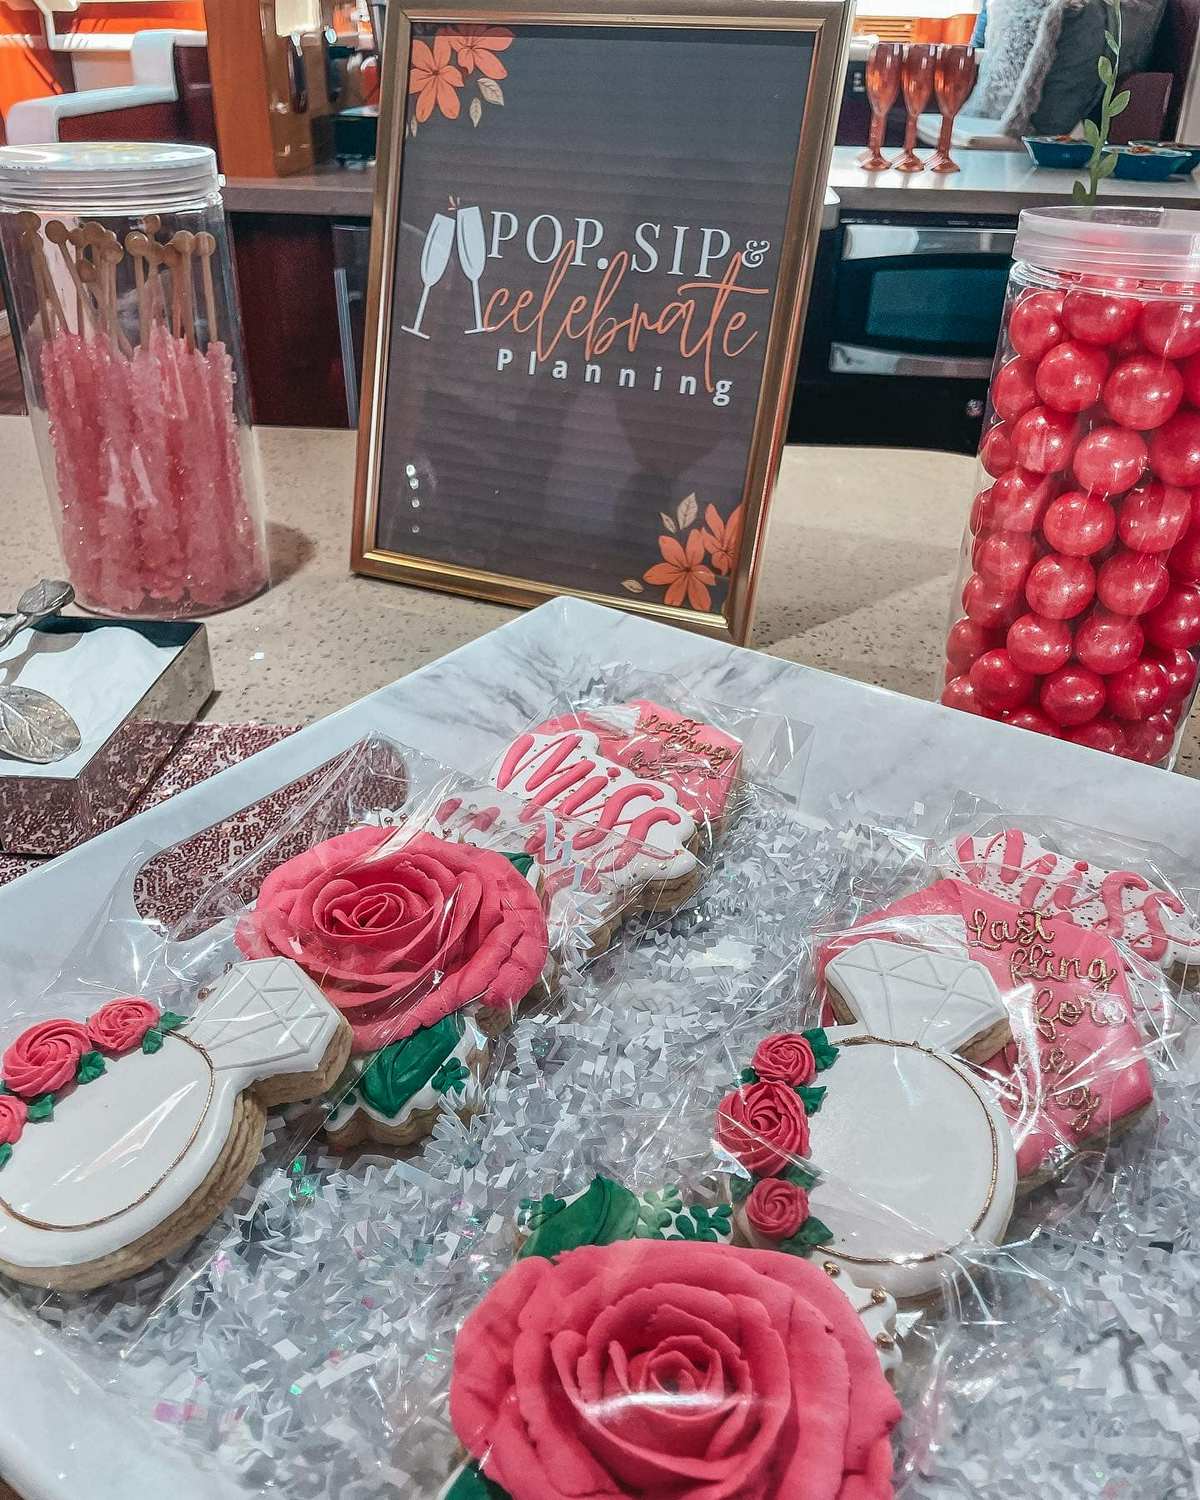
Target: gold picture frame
<point x="829" y="22"/>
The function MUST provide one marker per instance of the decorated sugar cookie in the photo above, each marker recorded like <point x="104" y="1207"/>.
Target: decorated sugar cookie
<point x="626" y="1355"/>
<point x="395" y="1096"/>
<point x="1118" y="903"/>
<point x="1076" y="1076"/>
<point x="402" y="929"/>
<point x="870" y="1143"/>
<point x="127" y="1135"/>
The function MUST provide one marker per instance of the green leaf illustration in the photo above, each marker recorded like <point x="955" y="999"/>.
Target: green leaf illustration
<point x="812" y="1099"/>
<point x="823" y="1051"/>
<point x="152" y="1041"/>
<point x="91" y="1065"/>
<point x="42" y="1108"/>
<point x="170" y="1021"/>
<point x="5" y="1154"/>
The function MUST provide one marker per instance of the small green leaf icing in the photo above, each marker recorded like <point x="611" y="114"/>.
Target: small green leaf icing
<point x="5" y="1153"/>
<point x="42" y="1108"/>
<point x="522" y="863"/>
<point x="170" y="1021"/>
<point x="473" y="1484"/>
<point x="823" y="1050"/>
<point x="607" y="1212"/>
<point x="153" y="1040"/>
<point x="91" y="1065"/>
<point x="810" y="1234"/>
<point x="397" y="1072"/>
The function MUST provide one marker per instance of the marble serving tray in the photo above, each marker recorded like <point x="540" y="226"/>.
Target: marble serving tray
<point x="133" y="686"/>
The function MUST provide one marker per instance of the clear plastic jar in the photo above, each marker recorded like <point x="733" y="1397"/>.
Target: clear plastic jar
<point x="125" y="309"/>
<point x="1077" y="607"/>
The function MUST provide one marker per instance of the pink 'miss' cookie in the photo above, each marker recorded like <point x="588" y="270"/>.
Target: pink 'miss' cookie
<point x="568" y="1376"/>
<point x="1077" y="1075"/>
<point x="401" y="930"/>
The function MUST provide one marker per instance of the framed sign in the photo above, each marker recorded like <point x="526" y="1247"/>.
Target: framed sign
<point x="593" y="238"/>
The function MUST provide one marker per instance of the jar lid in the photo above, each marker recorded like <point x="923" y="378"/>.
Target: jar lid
<point x="1157" y="244"/>
<point x="120" y="177"/>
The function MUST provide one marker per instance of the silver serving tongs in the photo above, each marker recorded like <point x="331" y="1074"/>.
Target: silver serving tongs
<point x="33" y="726"/>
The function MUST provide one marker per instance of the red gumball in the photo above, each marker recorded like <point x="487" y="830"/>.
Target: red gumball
<point x="1139" y="691"/>
<point x="1106" y="643"/>
<point x="1142" y="392"/>
<point x="995" y="452"/>
<point x="1013" y="389"/>
<point x="1032" y="719"/>
<point x="1130" y="583"/>
<point x="981" y="512"/>
<point x="1180" y="667"/>
<point x="1175" y="449"/>
<point x="1184" y="560"/>
<point x="1036" y="323"/>
<point x="988" y="604"/>
<point x="1190" y="370"/>
<point x="1043" y="439"/>
<point x="1109" y="460"/>
<point x="1171" y="328"/>
<point x="1100" y="733"/>
<point x="966" y="640"/>
<point x="1060" y="587"/>
<point x="1097" y="319"/>
<point x="1154" y="516"/>
<point x="1019" y="499"/>
<point x="1175" y="622"/>
<point x="1037" y="645"/>
<point x="998" y="681"/>
<point x="1072" y="695"/>
<point x="959" y="693"/>
<point x="1071" y="376"/>
<point x="1079" y="524"/>
<point x="1005" y="556"/>
<point x="1149" y="741"/>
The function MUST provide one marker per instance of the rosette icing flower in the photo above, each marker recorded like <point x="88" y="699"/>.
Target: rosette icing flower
<point x="120" y="1025"/>
<point x="13" y="1112"/>
<point x="44" y="1058"/>
<point x="400" y="931"/>
<point x="776" y="1209"/>
<point x="764" y="1125"/>
<point x="785" y="1057"/>
<point x="677" y="1369"/>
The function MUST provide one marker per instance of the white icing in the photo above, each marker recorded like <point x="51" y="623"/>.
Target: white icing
<point x="1018" y="868"/>
<point x="131" y="1147"/>
<point x="917" y="1159"/>
<point x="591" y="781"/>
<point x="468" y="1096"/>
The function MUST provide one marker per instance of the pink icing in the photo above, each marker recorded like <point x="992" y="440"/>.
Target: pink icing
<point x="1090" y="1071"/>
<point x="567" y="1379"/>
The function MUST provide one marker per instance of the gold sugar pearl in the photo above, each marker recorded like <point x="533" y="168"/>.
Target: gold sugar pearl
<point x="831" y="1268"/>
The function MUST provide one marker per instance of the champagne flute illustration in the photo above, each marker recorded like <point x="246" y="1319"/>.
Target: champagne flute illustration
<point x="472" y="255"/>
<point x="435" y="255"/>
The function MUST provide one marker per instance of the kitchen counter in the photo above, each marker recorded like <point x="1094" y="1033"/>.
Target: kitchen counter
<point x="856" y="578"/>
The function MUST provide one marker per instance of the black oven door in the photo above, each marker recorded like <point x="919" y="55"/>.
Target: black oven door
<point x="919" y="299"/>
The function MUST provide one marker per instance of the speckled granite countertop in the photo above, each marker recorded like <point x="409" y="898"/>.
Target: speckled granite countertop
<point x="862" y="546"/>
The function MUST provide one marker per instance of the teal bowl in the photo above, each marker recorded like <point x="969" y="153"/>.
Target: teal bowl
<point x="1193" y="154"/>
<point x="1147" y="163"/>
<point x="1053" y="151"/>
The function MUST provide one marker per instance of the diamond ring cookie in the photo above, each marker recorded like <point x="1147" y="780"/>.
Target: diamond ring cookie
<point x="871" y="1143"/>
<point x="127" y="1135"/>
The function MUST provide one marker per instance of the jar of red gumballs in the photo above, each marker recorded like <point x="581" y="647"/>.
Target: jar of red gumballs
<point x="126" y="313"/>
<point x="1077" y="607"/>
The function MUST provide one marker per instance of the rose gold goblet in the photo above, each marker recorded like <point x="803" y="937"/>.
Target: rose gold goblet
<point x="953" y="80"/>
<point x="883" y="84"/>
<point x="916" y="78"/>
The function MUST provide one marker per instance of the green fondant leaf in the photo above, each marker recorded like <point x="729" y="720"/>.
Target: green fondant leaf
<point x="823" y="1050"/>
<point x="741" y="1188"/>
<point x="397" y="1072"/>
<point x="153" y="1040"/>
<point x="4" y="1088"/>
<point x="42" y="1108"/>
<point x="800" y="1176"/>
<point x="451" y="1077"/>
<point x="747" y="1075"/>
<point x="810" y="1234"/>
<point x="811" y="1098"/>
<point x="5" y="1154"/>
<point x="522" y="863"/>
<point x="170" y="1021"/>
<point x="607" y="1212"/>
<point x="91" y="1065"/>
<point x="535" y="1211"/>
<point x="702" y="1223"/>
<point x="473" y="1484"/>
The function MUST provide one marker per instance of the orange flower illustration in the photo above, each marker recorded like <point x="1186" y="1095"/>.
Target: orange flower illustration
<point x="682" y="571"/>
<point x="721" y="538"/>
<point x="476" y="47"/>
<point x="433" y="79"/>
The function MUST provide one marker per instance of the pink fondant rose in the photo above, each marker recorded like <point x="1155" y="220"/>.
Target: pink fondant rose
<point x="776" y="1209"/>
<point x="44" y="1058"/>
<point x="12" y="1119"/>
<point x="120" y="1025"/>
<point x="785" y="1057"/>
<point x="674" y="1369"/>
<point x="764" y="1125"/>
<point x="399" y="931"/>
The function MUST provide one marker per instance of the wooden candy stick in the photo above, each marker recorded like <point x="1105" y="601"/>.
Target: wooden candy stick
<point x="137" y="246"/>
<point x="111" y="255"/>
<point x="30" y="241"/>
<point x="184" y="243"/>
<point x="206" y="244"/>
<point x="58" y="234"/>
